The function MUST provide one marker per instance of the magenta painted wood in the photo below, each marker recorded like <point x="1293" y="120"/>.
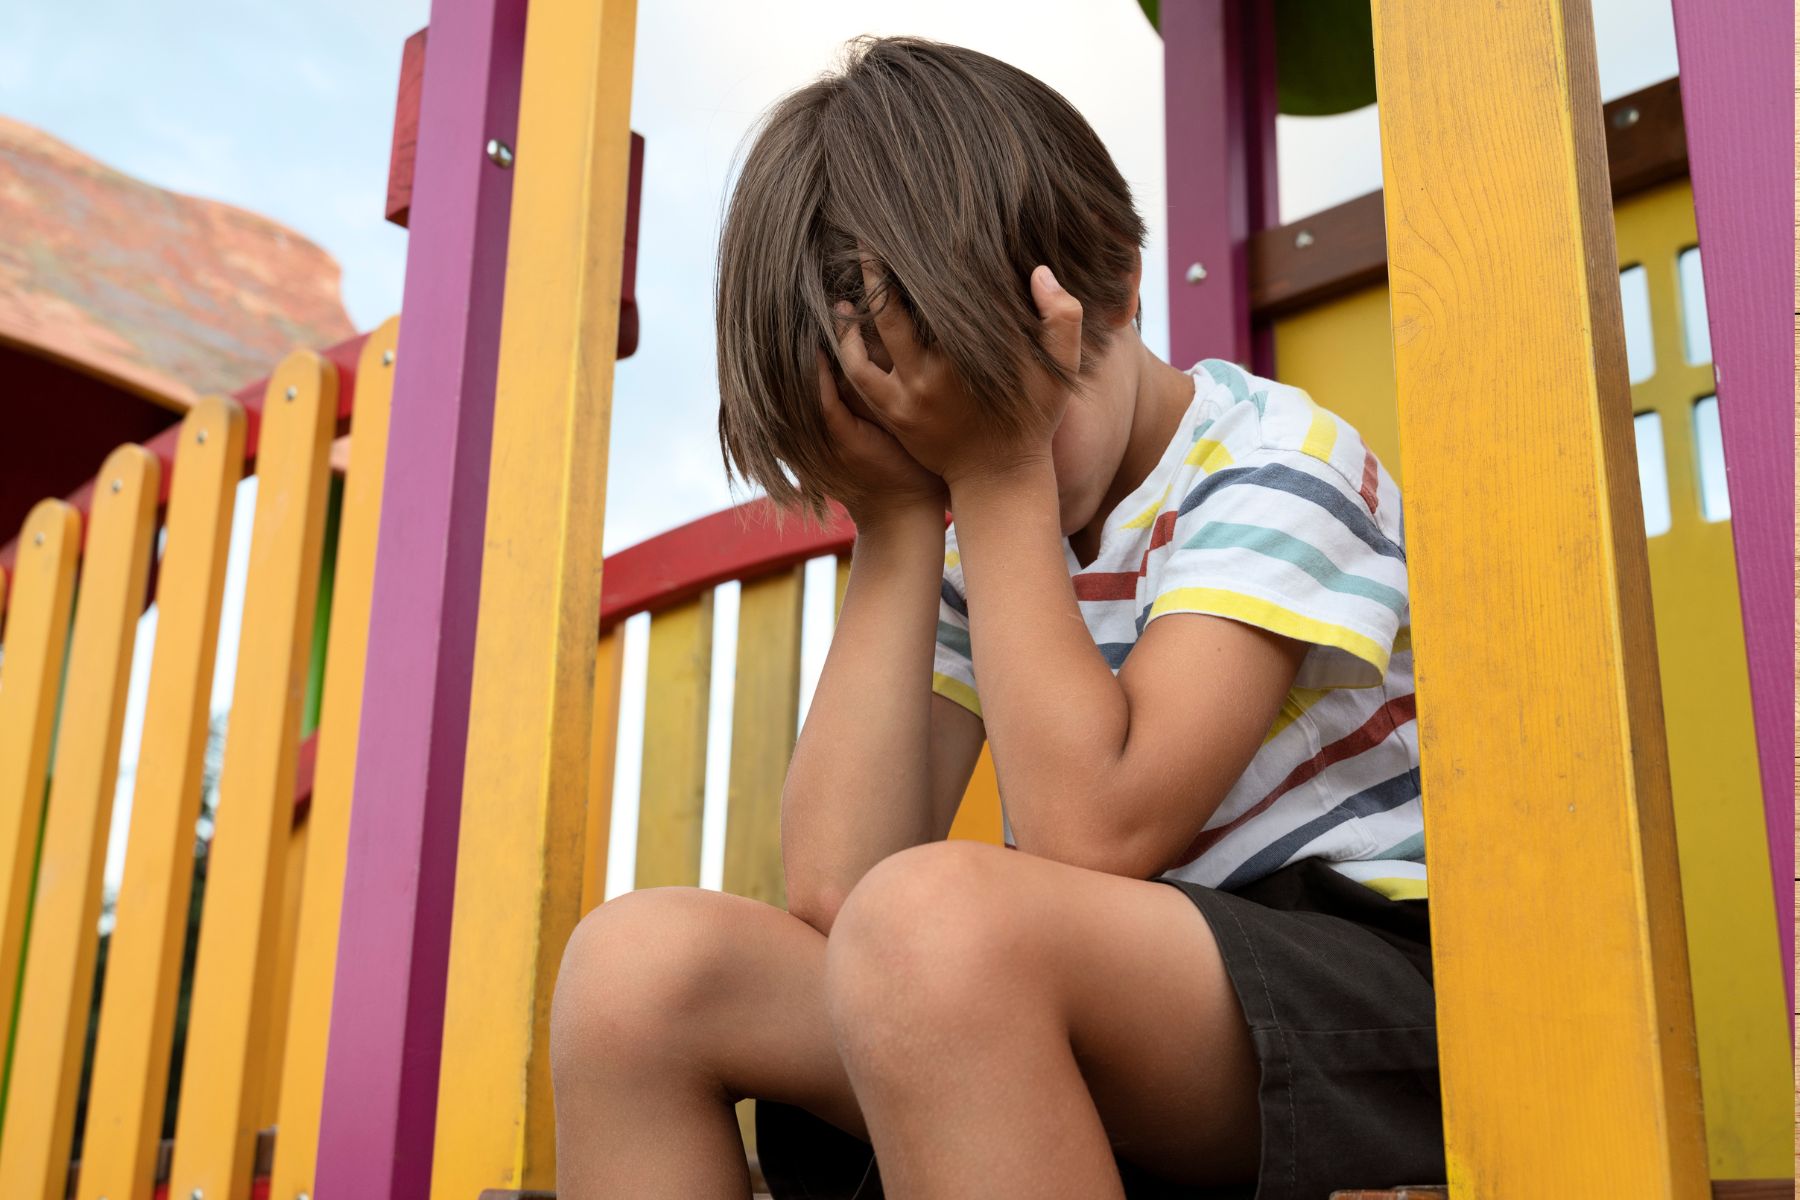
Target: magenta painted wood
<point x="1735" y="76"/>
<point x="1219" y="143"/>
<point x="394" y="940"/>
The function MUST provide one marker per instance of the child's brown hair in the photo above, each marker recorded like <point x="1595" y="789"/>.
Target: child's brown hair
<point x="957" y="174"/>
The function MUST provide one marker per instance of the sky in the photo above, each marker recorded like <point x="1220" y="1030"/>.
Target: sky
<point x="285" y="108"/>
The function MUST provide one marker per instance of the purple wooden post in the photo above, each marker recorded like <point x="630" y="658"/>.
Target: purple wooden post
<point x="1735" y="76"/>
<point x="1219" y="139"/>
<point x="381" y="1073"/>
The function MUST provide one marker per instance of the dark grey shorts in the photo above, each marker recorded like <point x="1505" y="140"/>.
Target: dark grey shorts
<point x="1335" y="980"/>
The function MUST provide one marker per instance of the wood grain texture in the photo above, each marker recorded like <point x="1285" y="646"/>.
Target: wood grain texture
<point x="137" y="1010"/>
<point x="519" y="858"/>
<point x="1734" y="77"/>
<point x="37" y="634"/>
<point x="51" y="1029"/>
<point x="764" y="721"/>
<point x="672" y="795"/>
<point x="1509" y="379"/>
<point x="609" y="662"/>
<point x="222" y="1074"/>
<point x="328" y="814"/>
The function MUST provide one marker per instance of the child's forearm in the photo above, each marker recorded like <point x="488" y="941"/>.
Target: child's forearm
<point x="1057" y="720"/>
<point x="858" y="788"/>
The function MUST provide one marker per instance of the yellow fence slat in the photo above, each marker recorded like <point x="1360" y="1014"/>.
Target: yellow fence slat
<point x="328" y="816"/>
<point x="1565" y="1020"/>
<point x="37" y="633"/>
<point x="672" y="795"/>
<point x="763" y="724"/>
<point x="294" y="850"/>
<point x="59" y="970"/>
<point x="978" y="816"/>
<point x="221" y="1082"/>
<point x="526" y="778"/>
<point x="137" y="1012"/>
<point x="609" y="658"/>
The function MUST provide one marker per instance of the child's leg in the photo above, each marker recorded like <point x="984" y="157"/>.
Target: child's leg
<point x="1008" y="1022"/>
<point x="671" y="1005"/>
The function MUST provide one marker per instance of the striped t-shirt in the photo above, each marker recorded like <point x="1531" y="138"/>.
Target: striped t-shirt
<point x="1270" y="510"/>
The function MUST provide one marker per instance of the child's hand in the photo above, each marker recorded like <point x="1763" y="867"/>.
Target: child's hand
<point x="887" y="478"/>
<point x="924" y="404"/>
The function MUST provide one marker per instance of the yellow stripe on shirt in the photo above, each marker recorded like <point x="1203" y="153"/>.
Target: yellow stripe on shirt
<point x="1397" y="888"/>
<point x="1321" y="438"/>
<point x="955" y="689"/>
<point x="1209" y="455"/>
<point x="1255" y="611"/>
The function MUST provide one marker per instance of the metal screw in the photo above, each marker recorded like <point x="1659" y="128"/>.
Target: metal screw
<point x="387" y="360"/>
<point x="201" y="437"/>
<point x="197" y="1195"/>
<point x="499" y="152"/>
<point x="1303" y="239"/>
<point x="292" y="392"/>
<point x="38" y="540"/>
<point x="118" y="485"/>
<point x="301" y="1196"/>
<point x="1625" y="118"/>
<point x="1196" y="273"/>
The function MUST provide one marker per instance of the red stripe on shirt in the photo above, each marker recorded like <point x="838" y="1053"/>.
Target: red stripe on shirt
<point x="1369" y="480"/>
<point x="1122" y="585"/>
<point x="1372" y="733"/>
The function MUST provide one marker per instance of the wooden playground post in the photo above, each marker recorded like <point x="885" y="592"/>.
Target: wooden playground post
<point x="1565" y="1020"/>
<point x="519" y="865"/>
<point x="375" y="1123"/>
<point x="1734" y="80"/>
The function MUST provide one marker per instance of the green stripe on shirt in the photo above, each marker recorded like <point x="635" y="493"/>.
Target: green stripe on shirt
<point x="1273" y="543"/>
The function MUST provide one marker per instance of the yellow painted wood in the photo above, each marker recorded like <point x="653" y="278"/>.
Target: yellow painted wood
<point x="519" y="861"/>
<point x="221" y="1082"/>
<point x="59" y="970"/>
<point x="609" y="658"/>
<point x="37" y="634"/>
<point x="843" y="584"/>
<point x="137" y="1012"/>
<point x="672" y="794"/>
<point x="764" y="717"/>
<point x="1341" y="353"/>
<point x="1565" y="1019"/>
<point x="281" y="986"/>
<point x="978" y="816"/>
<point x="328" y="816"/>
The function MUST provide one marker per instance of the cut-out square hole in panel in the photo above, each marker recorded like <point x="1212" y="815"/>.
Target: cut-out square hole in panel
<point x="1653" y="473"/>
<point x="1640" y="345"/>
<point x="1696" y="334"/>
<point x="1709" y="456"/>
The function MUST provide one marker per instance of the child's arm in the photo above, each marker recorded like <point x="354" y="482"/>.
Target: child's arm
<point x="881" y="760"/>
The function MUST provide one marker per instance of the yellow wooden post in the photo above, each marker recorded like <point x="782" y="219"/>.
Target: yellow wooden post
<point x="519" y="858"/>
<point x="672" y="794"/>
<point x="763" y="720"/>
<point x="295" y="851"/>
<point x="221" y="1083"/>
<point x="59" y="972"/>
<point x="137" y="1012"/>
<point x="37" y="633"/>
<point x="1565" y="1020"/>
<point x="328" y="816"/>
<point x="609" y="658"/>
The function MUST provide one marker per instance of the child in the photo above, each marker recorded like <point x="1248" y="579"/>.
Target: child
<point x="1173" y="603"/>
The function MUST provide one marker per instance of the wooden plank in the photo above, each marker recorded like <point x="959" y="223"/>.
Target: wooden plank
<point x="1300" y="265"/>
<point x="221" y="1082"/>
<point x="609" y="661"/>
<point x="137" y="1011"/>
<point x="405" y="149"/>
<point x="1735" y="76"/>
<point x="59" y="972"/>
<point x="294" y="849"/>
<point x="978" y="817"/>
<point x="518" y="867"/>
<point x="375" y="1133"/>
<point x="764" y="720"/>
<point x="328" y="816"/>
<point x="1493" y="156"/>
<point x="672" y="795"/>
<point x="37" y="634"/>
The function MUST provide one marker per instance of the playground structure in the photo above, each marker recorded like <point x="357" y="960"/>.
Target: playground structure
<point x="387" y="900"/>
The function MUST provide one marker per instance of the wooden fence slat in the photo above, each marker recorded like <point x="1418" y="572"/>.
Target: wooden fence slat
<point x="221" y="1083"/>
<point x="37" y="634"/>
<point x="764" y="717"/>
<point x="59" y="969"/>
<point x="137" y="1011"/>
<point x="526" y="773"/>
<point x="609" y="661"/>
<point x="328" y="813"/>
<point x="672" y="794"/>
<point x="1565" y="1021"/>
